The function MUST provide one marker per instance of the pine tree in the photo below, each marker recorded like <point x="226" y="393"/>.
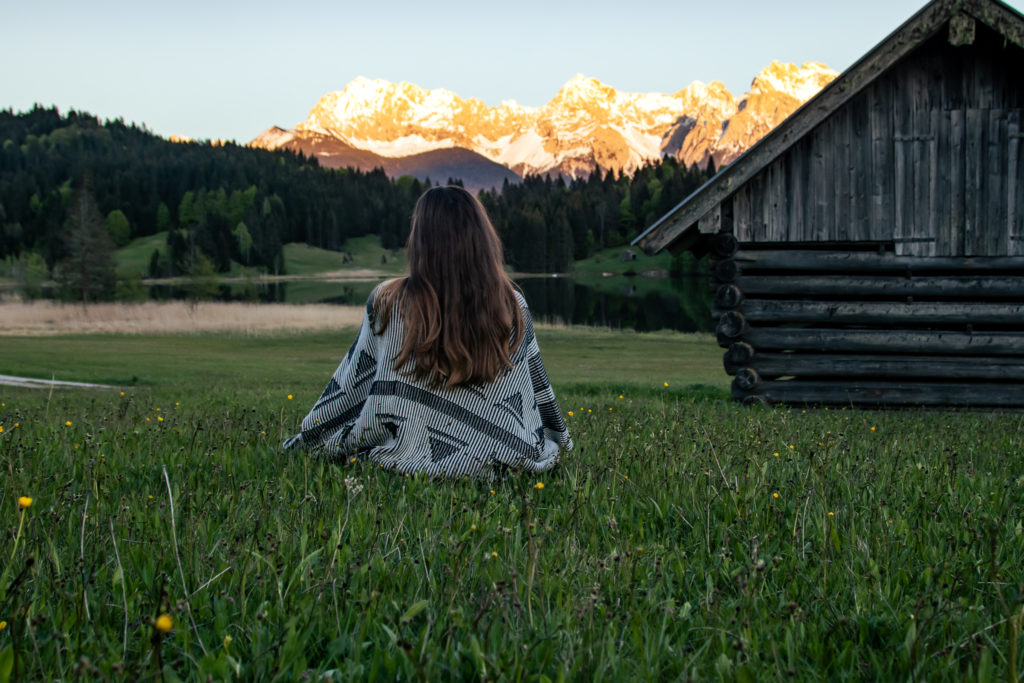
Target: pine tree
<point x="88" y="272"/>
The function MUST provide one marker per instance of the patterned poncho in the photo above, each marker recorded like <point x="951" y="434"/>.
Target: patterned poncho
<point x="370" y="409"/>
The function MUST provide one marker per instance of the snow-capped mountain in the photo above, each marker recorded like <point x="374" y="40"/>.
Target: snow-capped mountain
<point x="587" y="125"/>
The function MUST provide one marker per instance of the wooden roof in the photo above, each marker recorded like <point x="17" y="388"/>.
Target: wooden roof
<point x="680" y="224"/>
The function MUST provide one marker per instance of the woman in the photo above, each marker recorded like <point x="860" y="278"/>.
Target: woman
<point x="445" y="376"/>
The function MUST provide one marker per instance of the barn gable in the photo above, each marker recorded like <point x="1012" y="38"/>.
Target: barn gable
<point x="917" y="146"/>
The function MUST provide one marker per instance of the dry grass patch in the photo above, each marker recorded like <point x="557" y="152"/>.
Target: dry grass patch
<point x="173" y="317"/>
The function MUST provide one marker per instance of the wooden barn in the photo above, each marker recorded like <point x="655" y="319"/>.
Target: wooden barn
<point x="870" y="249"/>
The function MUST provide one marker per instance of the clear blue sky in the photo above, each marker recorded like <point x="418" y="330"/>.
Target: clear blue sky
<point x="229" y="69"/>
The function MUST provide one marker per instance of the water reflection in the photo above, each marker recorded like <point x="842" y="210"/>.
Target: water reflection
<point x="642" y="304"/>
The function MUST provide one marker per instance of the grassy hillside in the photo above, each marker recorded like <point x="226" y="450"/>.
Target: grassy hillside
<point x="610" y="261"/>
<point x="361" y="253"/>
<point x="134" y="257"/>
<point x="685" y="537"/>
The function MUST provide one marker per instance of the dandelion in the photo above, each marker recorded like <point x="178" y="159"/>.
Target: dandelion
<point x="492" y="492"/>
<point x="791" y="446"/>
<point x="831" y="514"/>
<point x="494" y="554"/>
<point x="620" y="395"/>
<point x="872" y="428"/>
<point x="609" y="410"/>
<point x="472" y="527"/>
<point x="352" y="459"/>
<point x="178" y="404"/>
<point x="776" y="454"/>
<point x="24" y="502"/>
<point x="666" y="384"/>
<point x="68" y="423"/>
<point x="775" y="495"/>
<point x="289" y="397"/>
<point x="3" y="625"/>
<point x="159" y="418"/>
<point x="589" y="410"/>
<point x="1" y="429"/>
<point x="164" y="623"/>
<point x="539" y="486"/>
<point x="122" y="393"/>
<point x="571" y="413"/>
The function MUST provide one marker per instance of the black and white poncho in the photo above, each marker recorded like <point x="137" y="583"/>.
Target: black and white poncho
<point x="369" y="409"/>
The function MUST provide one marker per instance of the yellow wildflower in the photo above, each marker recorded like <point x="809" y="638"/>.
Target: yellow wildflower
<point x="775" y="495"/>
<point x="872" y="429"/>
<point x="3" y="625"/>
<point x="289" y="397"/>
<point x="494" y="553"/>
<point x="24" y="502"/>
<point x="472" y="527"/>
<point x="68" y="423"/>
<point x="831" y="514"/>
<point x="164" y="623"/>
<point x="492" y="492"/>
<point x="666" y="384"/>
<point x="539" y="486"/>
<point x="159" y="418"/>
<point x="571" y="413"/>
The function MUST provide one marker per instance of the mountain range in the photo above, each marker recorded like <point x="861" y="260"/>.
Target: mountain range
<point x="587" y="125"/>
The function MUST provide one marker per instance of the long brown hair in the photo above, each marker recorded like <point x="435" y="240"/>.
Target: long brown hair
<point x="462" y="319"/>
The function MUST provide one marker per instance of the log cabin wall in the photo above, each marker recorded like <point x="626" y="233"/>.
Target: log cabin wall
<point x="869" y="327"/>
<point x="928" y="159"/>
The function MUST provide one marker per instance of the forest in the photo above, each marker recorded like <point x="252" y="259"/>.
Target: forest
<point x="74" y="188"/>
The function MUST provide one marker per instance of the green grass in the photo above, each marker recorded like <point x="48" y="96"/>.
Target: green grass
<point x="657" y="551"/>
<point x="134" y="257"/>
<point x="363" y="253"/>
<point x="610" y="261"/>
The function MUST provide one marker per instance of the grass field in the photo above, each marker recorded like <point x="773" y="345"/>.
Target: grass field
<point x="684" y="537"/>
<point x="359" y="253"/>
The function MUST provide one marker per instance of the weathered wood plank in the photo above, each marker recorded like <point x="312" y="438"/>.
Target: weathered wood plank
<point x="955" y="245"/>
<point x="777" y="207"/>
<point x="884" y="393"/>
<point x="820" y="215"/>
<point x="996" y="239"/>
<point x="920" y="342"/>
<point x="883" y="162"/>
<point x="854" y="261"/>
<point x="877" y="313"/>
<point x="973" y="195"/>
<point x="936" y="368"/>
<point x="741" y="214"/>
<point x="903" y="173"/>
<point x="952" y="287"/>
<point x="1015" y="179"/>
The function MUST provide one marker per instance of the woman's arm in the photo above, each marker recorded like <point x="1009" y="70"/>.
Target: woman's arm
<point x="335" y="412"/>
<point x="550" y="413"/>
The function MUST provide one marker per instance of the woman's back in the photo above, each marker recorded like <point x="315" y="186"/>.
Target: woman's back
<point x="377" y="410"/>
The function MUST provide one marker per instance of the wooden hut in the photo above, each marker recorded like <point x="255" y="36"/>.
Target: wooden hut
<point x="870" y="249"/>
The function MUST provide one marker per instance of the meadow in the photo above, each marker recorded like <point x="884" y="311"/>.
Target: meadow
<point x="686" y="537"/>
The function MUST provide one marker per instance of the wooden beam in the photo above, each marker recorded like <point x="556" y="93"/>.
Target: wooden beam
<point x="845" y="261"/>
<point x="824" y="286"/>
<point x="879" y="313"/>
<point x="961" y="30"/>
<point x="883" y="393"/>
<point x="684" y="217"/>
<point x="921" y="342"/>
<point x="935" y="368"/>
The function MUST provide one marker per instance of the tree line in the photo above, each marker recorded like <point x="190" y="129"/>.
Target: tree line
<point x="70" y="183"/>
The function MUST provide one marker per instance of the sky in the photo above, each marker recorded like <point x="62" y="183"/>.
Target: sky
<point x="223" y="69"/>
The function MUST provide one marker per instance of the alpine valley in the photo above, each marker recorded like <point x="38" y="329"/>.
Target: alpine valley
<point x="586" y="126"/>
